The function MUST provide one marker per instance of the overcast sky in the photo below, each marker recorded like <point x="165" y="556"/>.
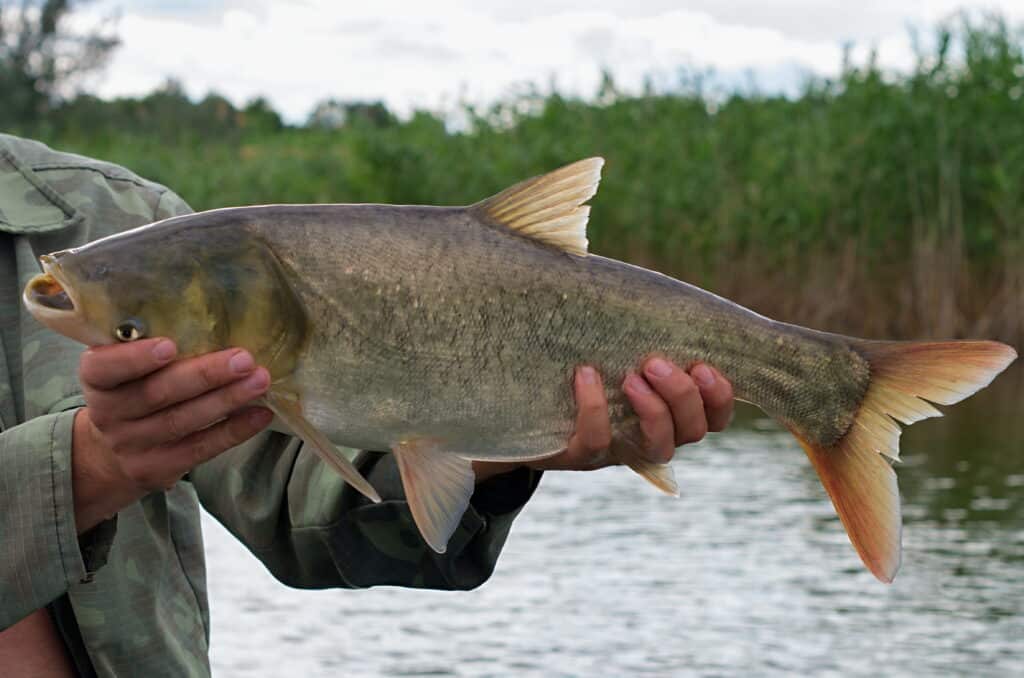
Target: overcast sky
<point x="433" y="54"/>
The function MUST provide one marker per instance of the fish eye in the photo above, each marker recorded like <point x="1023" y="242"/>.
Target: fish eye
<point x="129" y="330"/>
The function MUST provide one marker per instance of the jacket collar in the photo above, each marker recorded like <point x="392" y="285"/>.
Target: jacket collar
<point x="28" y="205"/>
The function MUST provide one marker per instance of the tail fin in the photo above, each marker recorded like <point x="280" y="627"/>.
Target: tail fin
<point x="855" y="471"/>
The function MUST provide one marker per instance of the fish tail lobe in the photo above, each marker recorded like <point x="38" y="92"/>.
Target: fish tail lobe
<point x="906" y="377"/>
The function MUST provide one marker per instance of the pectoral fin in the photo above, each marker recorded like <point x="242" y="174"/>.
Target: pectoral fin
<point x="438" y="486"/>
<point x="289" y="410"/>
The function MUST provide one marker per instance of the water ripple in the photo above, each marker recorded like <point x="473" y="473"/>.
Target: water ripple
<point x="749" y="573"/>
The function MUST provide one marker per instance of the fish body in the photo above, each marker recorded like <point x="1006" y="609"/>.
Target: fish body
<point x="450" y="334"/>
<point x="455" y="331"/>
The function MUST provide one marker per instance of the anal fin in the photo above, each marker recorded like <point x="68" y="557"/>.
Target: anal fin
<point x="438" y="486"/>
<point x="289" y="410"/>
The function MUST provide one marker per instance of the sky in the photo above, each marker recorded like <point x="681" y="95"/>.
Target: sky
<point x="433" y="55"/>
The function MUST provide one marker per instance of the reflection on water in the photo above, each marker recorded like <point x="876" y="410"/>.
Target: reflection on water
<point x="749" y="573"/>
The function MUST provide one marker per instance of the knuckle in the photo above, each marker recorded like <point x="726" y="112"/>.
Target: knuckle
<point x="199" y="450"/>
<point x="173" y="424"/>
<point x="693" y="432"/>
<point x="593" y="411"/>
<point x="206" y="374"/>
<point x="652" y="409"/>
<point x="685" y="387"/>
<point x="154" y="394"/>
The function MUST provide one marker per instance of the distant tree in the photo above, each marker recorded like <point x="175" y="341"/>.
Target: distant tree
<point x="41" y="58"/>
<point x="332" y="113"/>
<point x="259" y="115"/>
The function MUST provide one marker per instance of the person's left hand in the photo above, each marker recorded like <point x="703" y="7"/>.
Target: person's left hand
<point x="675" y="407"/>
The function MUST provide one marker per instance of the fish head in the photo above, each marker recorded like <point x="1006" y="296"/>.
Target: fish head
<point x="206" y="289"/>
<point x="103" y="295"/>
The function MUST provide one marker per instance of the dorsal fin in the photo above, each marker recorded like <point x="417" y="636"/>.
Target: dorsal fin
<point x="549" y="207"/>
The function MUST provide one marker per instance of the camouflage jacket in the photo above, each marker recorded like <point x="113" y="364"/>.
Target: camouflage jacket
<point x="129" y="597"/>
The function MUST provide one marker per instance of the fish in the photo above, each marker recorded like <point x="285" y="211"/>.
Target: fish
<point x="449" y="335"/>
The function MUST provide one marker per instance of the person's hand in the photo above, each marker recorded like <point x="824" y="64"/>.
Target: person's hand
<point x="148" y="420"/>
<point x="675" y="407"/>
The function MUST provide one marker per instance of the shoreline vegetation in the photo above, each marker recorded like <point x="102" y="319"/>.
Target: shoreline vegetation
<point x="876" y="204"/>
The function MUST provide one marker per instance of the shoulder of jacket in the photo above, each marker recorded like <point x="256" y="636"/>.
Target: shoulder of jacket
<point x="39" y="157"/>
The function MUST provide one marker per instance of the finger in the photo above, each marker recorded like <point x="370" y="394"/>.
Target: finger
<point x="181" y="420"/>
<point x="165" y="465"/>
<point x="106" y="367"/>
<point x="683" y="398"/>
<point x="204" y="445"/>
<point x="716" y="391"/>
<point x="593" y="432"/>
<point x="655" y="419"/>
<point x="178" y="382"/>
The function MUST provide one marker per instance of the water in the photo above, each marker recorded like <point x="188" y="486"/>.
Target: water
<point x="749" y="573"/>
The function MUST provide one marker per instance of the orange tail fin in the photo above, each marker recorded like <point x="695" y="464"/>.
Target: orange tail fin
<point x="856" y="471"/>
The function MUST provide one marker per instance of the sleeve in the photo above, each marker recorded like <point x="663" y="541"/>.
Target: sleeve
<point x="41" y="554"/>
<point x="312" y="530"/>
<point x="170" y="204"/>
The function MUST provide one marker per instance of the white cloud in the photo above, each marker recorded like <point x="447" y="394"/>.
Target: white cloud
<point x="428" y="54"/>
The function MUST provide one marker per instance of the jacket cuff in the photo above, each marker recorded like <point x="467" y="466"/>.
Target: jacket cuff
<point x="507" y="492"/>
<point x="379" y="544"/>
<point x="40" y="554"/>
<point x="95" y="546"/>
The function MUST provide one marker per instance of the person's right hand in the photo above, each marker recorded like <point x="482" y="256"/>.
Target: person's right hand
<point x="149" y="420"/>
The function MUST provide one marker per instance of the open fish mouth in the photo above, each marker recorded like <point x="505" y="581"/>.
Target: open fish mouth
<point x="46" y="291"/>
<point x="55" y="303"/>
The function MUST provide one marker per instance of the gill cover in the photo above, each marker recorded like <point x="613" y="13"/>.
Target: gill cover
<point x="248" y="301"/>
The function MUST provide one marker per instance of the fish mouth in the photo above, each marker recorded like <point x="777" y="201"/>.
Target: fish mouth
<point x="55" y="304"/>
<point x="46" y="292"/>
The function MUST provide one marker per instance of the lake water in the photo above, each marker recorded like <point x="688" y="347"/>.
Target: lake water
<point x="749" y="573"/>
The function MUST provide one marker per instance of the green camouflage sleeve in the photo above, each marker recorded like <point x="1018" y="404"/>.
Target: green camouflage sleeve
<point x="41" y="555"/>
<point x="312" y="530"/>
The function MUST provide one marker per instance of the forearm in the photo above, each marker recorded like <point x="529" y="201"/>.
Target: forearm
<point x="313" y="531"/>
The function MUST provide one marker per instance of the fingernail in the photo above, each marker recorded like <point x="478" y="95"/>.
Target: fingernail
<point x="637" y="384"/>
<point x="257" y="381"/>
<point x="658" y="368"/>
<point x="241" y="362"/>
<point x="703" y="375"/>
<point x="164" y="350"/>
<point x="588" y="376"/>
